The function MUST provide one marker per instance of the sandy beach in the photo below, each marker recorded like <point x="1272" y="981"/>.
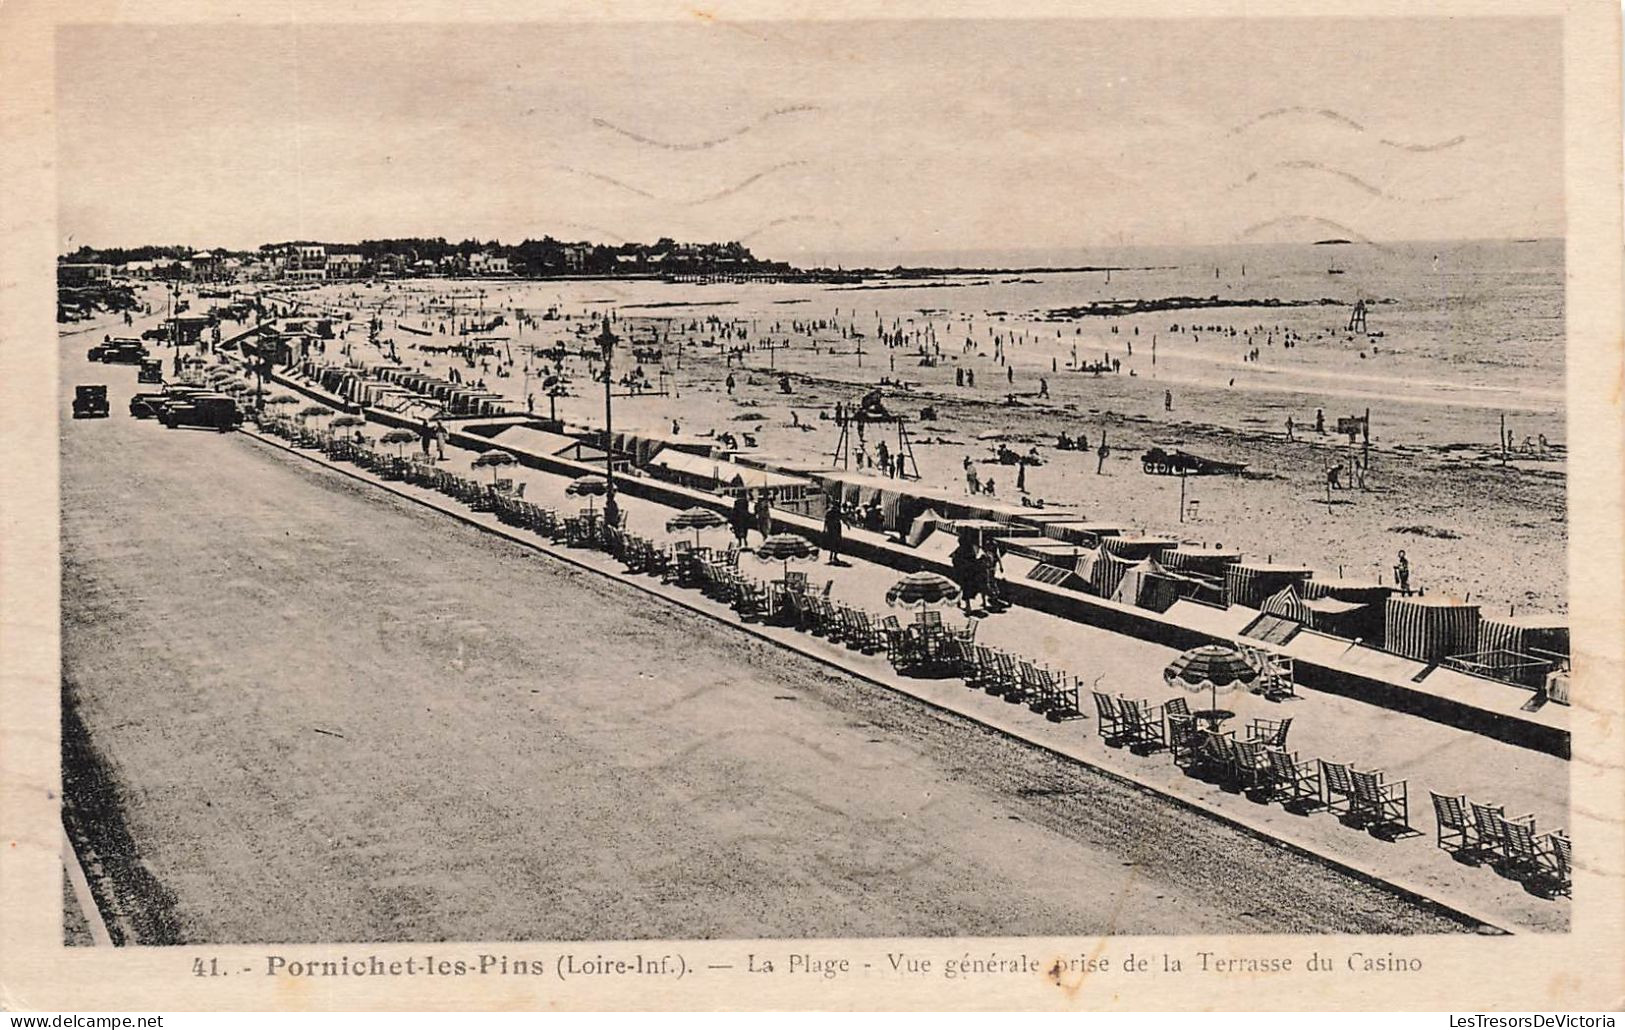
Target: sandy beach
<point x="1436" y="485"/>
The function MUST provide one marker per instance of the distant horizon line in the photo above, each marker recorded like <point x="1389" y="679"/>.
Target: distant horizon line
<point x="768" y="258"/>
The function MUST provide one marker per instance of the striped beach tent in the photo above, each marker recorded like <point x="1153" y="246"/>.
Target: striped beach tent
<point x="1430" y="629"/>
<point x="1287" y="605"/>
<point x="1108" y="573"/>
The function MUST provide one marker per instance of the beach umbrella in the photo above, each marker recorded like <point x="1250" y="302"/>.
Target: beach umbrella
<point x="344" y="421"/>
<point x="314" y="411"/>
<point x="695" y="519"/>
<point x="786" y="547"/>
<point x="283" y="398"/>
<point x="399" y="437"/>
<point x="922" y="588"/>
<point x="493" y="460"/>
<point x="1211" y="667"/>
<point x="588" y="487"/>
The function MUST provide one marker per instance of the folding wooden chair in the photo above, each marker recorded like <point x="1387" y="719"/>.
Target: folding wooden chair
<point x="1184" y="736"/>
<point x="1251" y="766"/>
<point x="1141" y="731"/>
<point x="1293" y="782"/>
<point x="1336" y="787"/>
<point x="1064" y="705"/>
<point x="1380" y="803"/>
<point x="1109" y="723"/>
<point x="1269" y="732"/>
<point x="1488" y="830"/>
<point x="1519" y="853"/>
<point x="1555" y="859"/>
<point x="1453" y="823"/>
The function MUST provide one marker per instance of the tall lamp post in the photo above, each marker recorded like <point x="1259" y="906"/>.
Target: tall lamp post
<point x="606" y="343"/>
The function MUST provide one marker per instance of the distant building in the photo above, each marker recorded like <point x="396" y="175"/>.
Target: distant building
<point x="305" y="261"/>
<point x="346" y="266"/>
<point x="575" y="257"/>
<point x="487" y="264"/>
<point x="83" y="274"/>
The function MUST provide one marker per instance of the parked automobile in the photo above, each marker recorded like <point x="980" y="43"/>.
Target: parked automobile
<point x="90" y="401"/>
<point x="152" y="371"/>
<point x="122" y="351"/>
<point x="157" y="332"/>
<point x="151" y="405"/>
<point x="204" y="411"/>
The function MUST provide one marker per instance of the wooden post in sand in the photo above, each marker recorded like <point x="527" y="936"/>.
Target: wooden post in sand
<point x="1503" y="439"/>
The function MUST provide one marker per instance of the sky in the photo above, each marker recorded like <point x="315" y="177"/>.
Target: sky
<point x="814" y="141"/>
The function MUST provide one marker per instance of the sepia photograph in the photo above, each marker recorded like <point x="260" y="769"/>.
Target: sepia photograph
<point x="714" y="479"/>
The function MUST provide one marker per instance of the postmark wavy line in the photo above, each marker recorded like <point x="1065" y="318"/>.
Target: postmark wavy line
<point x="789" y="220"/>
<point x="705" y="144"/>
<point x="745" y="183"/>
<point x="1339" y="118"/>
<point x="1346" y="176"/>
<point x="1308" y="220"/>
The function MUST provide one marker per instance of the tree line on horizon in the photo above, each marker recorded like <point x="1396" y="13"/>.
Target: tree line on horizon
<point x="530" y="256"/>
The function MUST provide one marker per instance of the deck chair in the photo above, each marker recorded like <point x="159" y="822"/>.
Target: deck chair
<point x="1008" y="678"/>
<point x="1184" y="737"/>
<point x="1252" y="766"/>
<point x="1520" y="855"/>
<point x="1382" y="804"/>
<point x="1065" y="705"/>
<point x="1336" y="787"/>
<point x="1269" y="732"/>
<point x="1142" y="732"/>
<point x="1555" y="857"/>
<point x="1292" y="782"/>
<point x="985" y="668"/>
<point x="866" y="636"/>
<point x="1487" y="832"/>
<point x="1109" y="721"/>
<point x="1453" y="822"/>
<point x="1034" y="687"/>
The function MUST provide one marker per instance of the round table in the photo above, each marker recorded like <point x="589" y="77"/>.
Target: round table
<point x="1214" y="717"/>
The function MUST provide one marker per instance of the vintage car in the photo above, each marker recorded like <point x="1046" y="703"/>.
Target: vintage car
<point x="152" y="371"/>
<point x="90" y="401"/>
<point x="203" y="410"/>
<point x="123" y="351"/>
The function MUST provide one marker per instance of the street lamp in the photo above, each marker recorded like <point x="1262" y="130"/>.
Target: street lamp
<point x="606" y="343"/>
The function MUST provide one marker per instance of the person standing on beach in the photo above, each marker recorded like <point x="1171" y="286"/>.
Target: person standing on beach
<point x="739" y="518"/>
<point x="966" y="570"/>
<point x="832" y="531"/>
<point x="1402" y="573"/>
<point x="1289" y="428"/>
<point x="990" y="569"/>
<point x="1104" y="453"/>
<point x="426" y="436"/>
<point x="1043" y="387"/>
<point x="1167" y="400"/>
<point x="764" y="514"/>
<point x="440" y="437"/>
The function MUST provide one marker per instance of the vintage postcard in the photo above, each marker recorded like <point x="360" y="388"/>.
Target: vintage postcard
<point x="672" y="506"/>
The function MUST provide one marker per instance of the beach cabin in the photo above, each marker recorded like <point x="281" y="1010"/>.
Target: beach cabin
<point x="1252" y="583"/>
<point x="713" y="475"/>
<point x="1208" y="561"/>
<point x="1431" y="629"/>
<point x="1077" y="531"/>
<point x="1138" y="548"/>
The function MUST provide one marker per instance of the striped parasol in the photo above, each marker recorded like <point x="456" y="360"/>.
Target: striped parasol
<point x="695" y="519"/>
<point x="588" y="487"/>
<point x="786" y="547"/>
<point x="1211" y="667"/>
<point x="494" y="460"/>
<point x="922" y="588"/>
